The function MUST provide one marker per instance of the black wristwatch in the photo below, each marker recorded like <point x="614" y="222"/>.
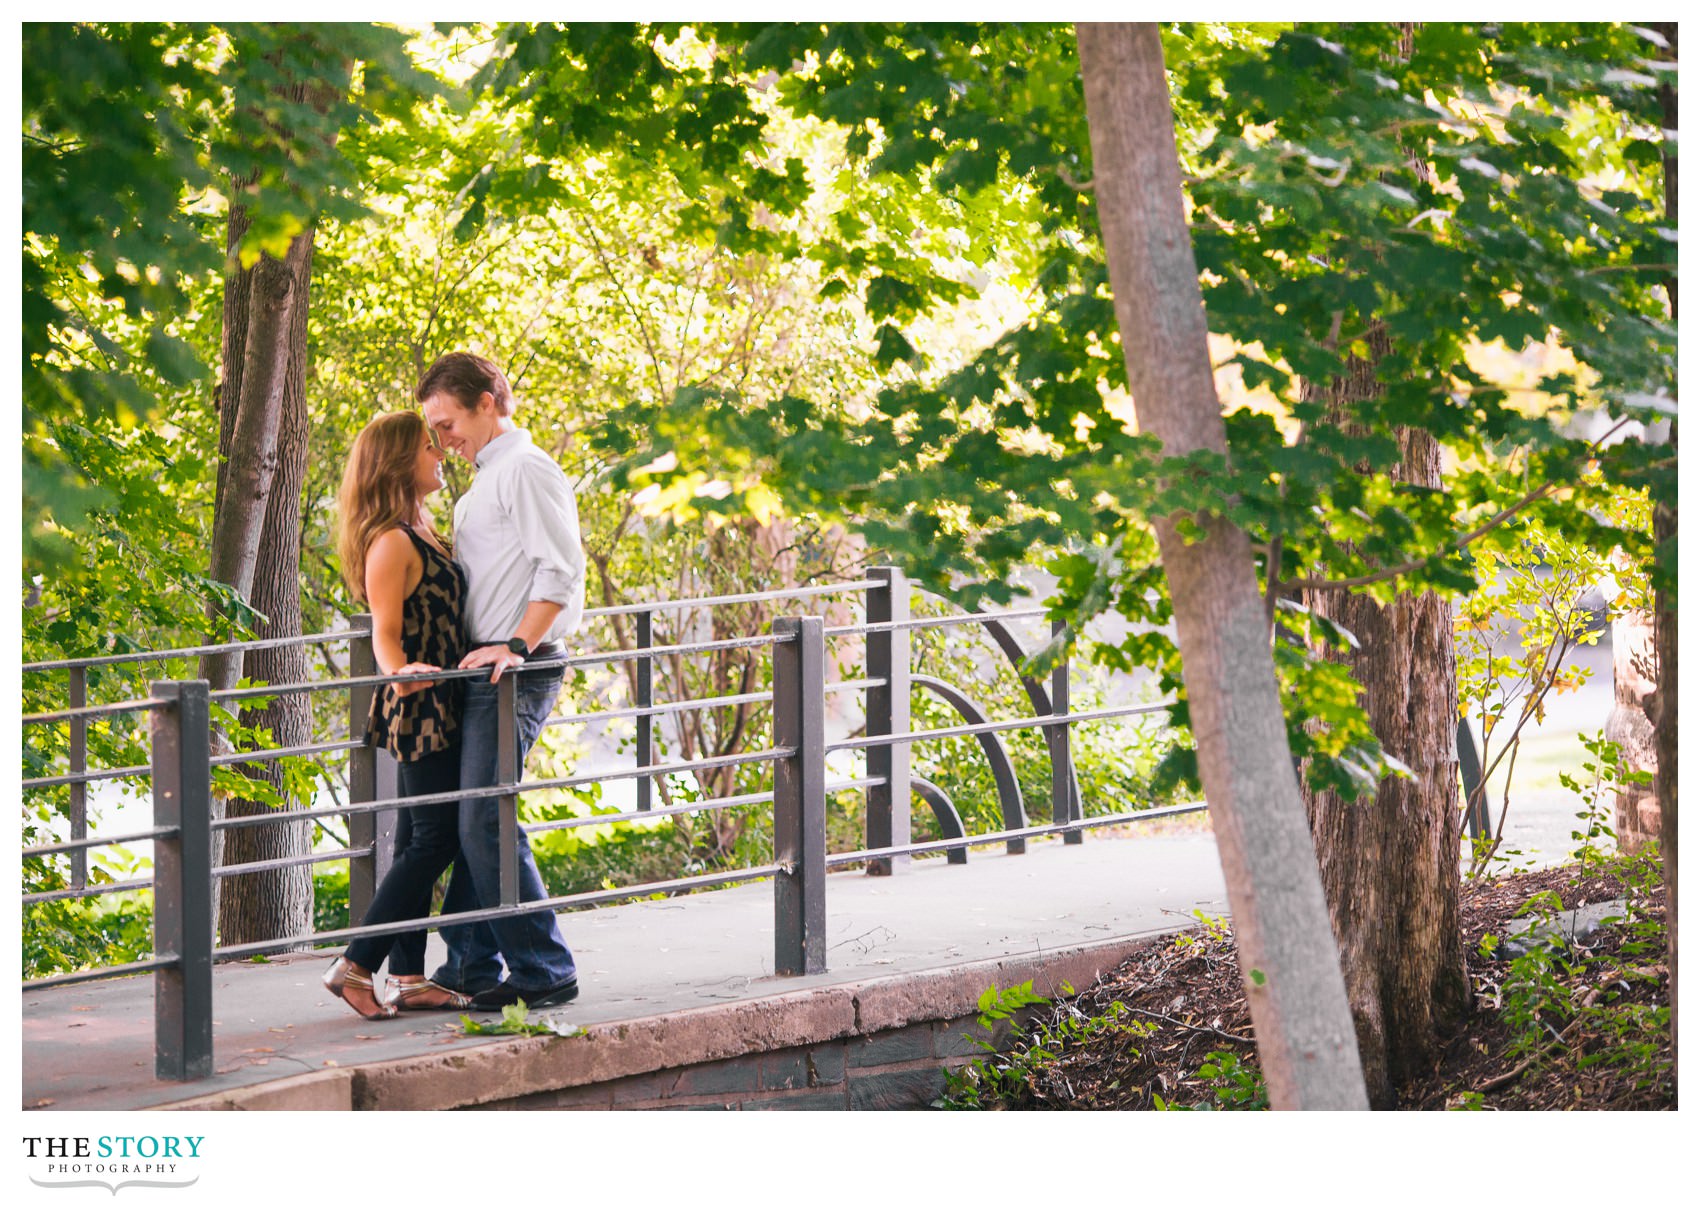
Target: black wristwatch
<point x="519" y="647"/>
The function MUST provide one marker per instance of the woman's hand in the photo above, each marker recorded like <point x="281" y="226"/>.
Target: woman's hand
<point x="414" y="687"/>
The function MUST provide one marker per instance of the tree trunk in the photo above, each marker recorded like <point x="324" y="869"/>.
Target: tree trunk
<point x="1634" y="682"/>
<point x="260" y="306"/>
<point x="256" y="549"/>
<point x="1287" y="954"/>
<point x="1664" y="604"/>
<point x="1664" y="642"/>
<point x="1390" y="864"/>
<point x="277" y="903"/>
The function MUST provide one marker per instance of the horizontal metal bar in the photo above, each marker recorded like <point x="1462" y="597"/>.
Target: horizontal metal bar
<point x="979" y="839"/>
<point x="376" y="679"/>
<point x="100" y="974"/>
<point x="83" y="893"/>
<point x="94" y="712"/>
<point x="285" y="688"/>
<point x="564" y="662"/>
<point x="1036" y="721"/>
<point x="262" y="755"/>
<point x="683" y="808"/>
<point x="766" y="595"/>
<point x="649" y="814"/>
<point x="496" y="790"/>
<point x="254" y="756"/>
<point x="605" y="657"/>
<point x="346" y="634"/>
<point x="86" y="843"/>
<point x="632" y="713"/>
<point x="228" y="759"/>
<point x="637" y="772"/>
<point x="166" y="654"/>
<point x="741" y="876"/>
<point x="299" y="860"/>
<point x="855" y="684"/>
<point x="941" y="621"/>
<point x="362" y="808"/>
<point x="854" y="784"/>
<point x="88" y="776"/>
<point x="725" y="700"/>
<point x="730" y="801"/>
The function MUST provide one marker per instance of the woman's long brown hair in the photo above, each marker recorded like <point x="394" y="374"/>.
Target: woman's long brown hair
<point x="378" y="490"/>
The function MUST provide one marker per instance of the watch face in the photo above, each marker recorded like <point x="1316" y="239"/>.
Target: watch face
<point x="518" y="647"/>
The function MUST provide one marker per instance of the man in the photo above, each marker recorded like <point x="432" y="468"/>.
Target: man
<point x="516" y="536"/>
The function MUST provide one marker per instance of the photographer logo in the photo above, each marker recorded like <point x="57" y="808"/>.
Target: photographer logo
<point x="113" y="1162"/>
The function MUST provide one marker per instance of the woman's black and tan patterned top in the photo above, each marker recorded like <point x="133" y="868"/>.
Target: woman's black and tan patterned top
<point x="433" y="632"/>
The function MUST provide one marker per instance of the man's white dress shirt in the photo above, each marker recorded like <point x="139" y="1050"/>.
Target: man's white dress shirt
<point x="516" y="536"/>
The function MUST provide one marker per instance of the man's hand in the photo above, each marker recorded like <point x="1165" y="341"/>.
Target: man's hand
<point x="415" y="687"/>
<point x="499" y="657"/>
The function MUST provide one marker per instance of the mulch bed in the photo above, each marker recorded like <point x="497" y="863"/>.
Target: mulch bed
<point x="1187" y="989"/>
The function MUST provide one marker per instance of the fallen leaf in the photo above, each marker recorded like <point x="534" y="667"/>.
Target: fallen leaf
<point x="330" y="1064"/>
<point x="42" y="1102"/>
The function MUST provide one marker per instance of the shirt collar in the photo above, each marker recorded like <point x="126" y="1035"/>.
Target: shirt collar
<point x="512" y="439"/>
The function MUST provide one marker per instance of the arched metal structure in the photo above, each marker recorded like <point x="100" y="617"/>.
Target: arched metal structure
<point x="1056" y="738"/>
<point x="945" y="813"/>
<point x="997" y="755"/>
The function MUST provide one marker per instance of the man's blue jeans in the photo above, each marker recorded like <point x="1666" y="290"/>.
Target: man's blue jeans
<point x="531" y="943"/>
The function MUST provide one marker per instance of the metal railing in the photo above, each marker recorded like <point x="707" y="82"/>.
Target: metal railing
<point x="184" y="828"/>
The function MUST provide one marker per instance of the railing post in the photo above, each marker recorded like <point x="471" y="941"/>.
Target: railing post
<point x="1470" y="774"/>
<point x="507" y="771"/>
<point x="180" y="737"/>
<point x="645" y="698"/>
<point x="371" y="776"/>
<point x="888" y="821"/>
<point x="799" y="797"/>
<point x="79" y="814"/>
<point x="1065" y="802"/>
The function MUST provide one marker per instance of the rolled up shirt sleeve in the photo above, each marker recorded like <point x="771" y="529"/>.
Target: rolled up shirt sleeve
<point x="545" y="514"/>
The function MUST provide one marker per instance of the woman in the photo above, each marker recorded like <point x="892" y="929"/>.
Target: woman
<point x="394" y="560"/>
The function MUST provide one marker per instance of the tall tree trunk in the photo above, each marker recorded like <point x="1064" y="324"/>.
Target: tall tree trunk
<point x="1287" y="953"/>
<point x="260" y="306"/>
<point x="256" y="549"/>
<point x="1664" y="603"/>
<point x="279" y="902"/>
<point x="1390" y="864"/>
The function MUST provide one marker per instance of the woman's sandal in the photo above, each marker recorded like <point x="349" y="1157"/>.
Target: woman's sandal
<point x="404" y="996"/>
<point x="340" y="976"/>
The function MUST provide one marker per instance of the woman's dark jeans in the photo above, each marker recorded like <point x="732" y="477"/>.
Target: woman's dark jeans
<point x="428" y="837"/>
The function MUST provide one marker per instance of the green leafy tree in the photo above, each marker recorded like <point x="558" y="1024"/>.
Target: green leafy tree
<point x="1314" y="235"/>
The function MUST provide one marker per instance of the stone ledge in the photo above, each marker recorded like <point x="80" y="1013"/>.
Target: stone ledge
<point x="517" y="1067"/>
<point x="326" y="1090"/>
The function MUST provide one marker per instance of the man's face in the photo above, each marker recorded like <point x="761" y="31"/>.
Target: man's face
<point x="462" y="431"/>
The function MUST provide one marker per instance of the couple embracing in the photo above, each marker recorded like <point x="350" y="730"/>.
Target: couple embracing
<point x="504" y="595"/>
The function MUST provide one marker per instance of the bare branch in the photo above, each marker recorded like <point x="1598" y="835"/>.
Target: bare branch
<point x="637" y="316"/>
<point x="1067" y="178"/>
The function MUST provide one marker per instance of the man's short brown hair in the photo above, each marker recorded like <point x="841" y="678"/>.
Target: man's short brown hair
<point x="466" y="376"/>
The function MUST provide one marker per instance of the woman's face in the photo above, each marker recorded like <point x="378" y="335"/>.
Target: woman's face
<point x="428" y="468"/>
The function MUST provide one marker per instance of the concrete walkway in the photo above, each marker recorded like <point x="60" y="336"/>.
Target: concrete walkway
<point x="90" y="1047"/>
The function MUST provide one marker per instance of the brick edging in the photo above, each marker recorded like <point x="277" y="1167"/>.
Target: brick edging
<point x="508" y="1069"/>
